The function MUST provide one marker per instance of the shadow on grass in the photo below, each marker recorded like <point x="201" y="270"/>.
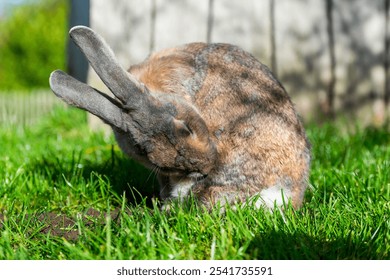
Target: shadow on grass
<point x="298" y="246"/>
<point x="115" y="173"/>
<point x="373" y="136"/>
<point x="120" y="173"/>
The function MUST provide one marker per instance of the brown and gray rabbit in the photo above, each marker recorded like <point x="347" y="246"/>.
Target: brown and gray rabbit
<point x="209" y="119"/>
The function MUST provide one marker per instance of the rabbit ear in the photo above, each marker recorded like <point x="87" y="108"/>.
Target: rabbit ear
<point x="80" y="95"/>
<point x="126" y="88"/>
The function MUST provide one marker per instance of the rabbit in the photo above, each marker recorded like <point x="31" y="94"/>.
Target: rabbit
<point x="210" y="120"/>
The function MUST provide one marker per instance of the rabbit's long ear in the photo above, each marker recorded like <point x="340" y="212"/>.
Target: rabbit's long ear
<point x="126" y="88"/>
<point x="80" y="95"/>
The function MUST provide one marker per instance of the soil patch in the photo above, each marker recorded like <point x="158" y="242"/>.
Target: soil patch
<point x="62" y="225"/>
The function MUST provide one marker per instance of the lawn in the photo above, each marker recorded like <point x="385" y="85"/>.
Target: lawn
<point x="67" y="193"/>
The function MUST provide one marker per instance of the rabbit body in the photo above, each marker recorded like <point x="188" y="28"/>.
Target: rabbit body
<point x="209" y="119"/>
<point x="254" y="140"/>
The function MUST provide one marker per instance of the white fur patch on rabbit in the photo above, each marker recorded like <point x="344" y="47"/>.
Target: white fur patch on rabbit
<point x="180" y="187"/>
<point x="273" y="196"/>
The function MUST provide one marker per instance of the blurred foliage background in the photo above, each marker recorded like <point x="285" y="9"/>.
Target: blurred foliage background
<point x="32" y="44"/>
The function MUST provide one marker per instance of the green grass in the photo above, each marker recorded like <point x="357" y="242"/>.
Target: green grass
<point x="58" y="166"/>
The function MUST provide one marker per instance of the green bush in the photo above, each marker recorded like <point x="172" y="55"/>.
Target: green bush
<point x="32" y="44"/>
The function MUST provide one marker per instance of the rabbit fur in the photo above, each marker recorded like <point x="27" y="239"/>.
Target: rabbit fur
<point x="211" y="120"/>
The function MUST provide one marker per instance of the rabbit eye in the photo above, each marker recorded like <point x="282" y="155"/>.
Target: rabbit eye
<point x="182" y="130"/>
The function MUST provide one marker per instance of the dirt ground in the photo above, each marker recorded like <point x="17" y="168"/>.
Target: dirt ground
<point x="61" y="225"/>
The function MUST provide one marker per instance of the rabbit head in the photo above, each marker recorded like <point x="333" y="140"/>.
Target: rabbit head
<point x="210" y="119"/>
<point x="161" y="132"/>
